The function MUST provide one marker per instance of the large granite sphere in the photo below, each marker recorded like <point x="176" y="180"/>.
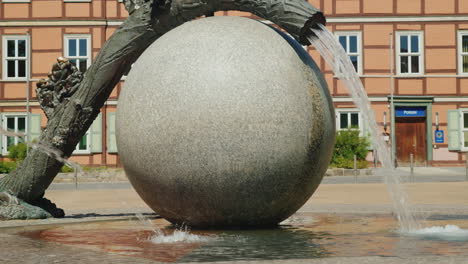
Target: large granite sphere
<point x="225" y="122"/>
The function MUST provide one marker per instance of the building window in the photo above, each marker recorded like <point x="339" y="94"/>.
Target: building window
<point x="464" y="129"/>
<point x="463" y="52"/>
<point x="83" y="147"/>
<point x="15" y="57"/>
<point x="14" y="124"/>
<point x="91" y="142"/>
<point x="78" y="50"/>
<point x="76" y="1"/>
<point x="410" y="53"/>
<point x="457" y="129"/>
<point x="351" y="43"/>
<point x="348" y="118"/>
<point x="16" y="1"/>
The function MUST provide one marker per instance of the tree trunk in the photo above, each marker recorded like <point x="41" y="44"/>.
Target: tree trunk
<point x="147" y="21"/>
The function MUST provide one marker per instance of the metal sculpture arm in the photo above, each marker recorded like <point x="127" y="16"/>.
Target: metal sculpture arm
<point x="294" y="16"/>
<point x="64" y="79"/>
<point x="70" y="119"/>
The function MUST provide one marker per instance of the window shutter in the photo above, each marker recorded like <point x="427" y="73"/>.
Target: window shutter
<point x="111" y="141"/>
<point x="2" y="137"/>
<point x="96" y="135"/>
<point x="454" y="130"/>
<point x="35" y="127"/>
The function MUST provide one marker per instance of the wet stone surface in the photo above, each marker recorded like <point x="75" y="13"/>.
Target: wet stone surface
<point x="303" y="238"/>
<point x="18" y="249"/>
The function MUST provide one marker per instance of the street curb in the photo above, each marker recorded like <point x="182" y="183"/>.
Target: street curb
<point x="349" y="172"/>
<point x="68" y="221"/>
<point x="108" y="175"/>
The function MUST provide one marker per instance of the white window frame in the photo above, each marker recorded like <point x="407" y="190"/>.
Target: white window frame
<point x="16" y="1"/>
<point x="340" y="111"/>
<point x="67" y="37"/>
<point x="5" y="151"/>
<point x="5" y="40"/>
<point x="88" y="144"/>
<point x="460" y="54"/>
<point x="358" y="35"/>
<point x="420" y="34"/>
<point x="462" y="111"/>
<point x="76" y="1"/>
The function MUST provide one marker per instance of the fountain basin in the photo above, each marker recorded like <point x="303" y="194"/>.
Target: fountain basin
<point x="341" y="238"/>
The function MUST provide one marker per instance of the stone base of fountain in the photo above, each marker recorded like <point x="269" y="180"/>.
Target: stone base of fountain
<point x="303" y="238"/>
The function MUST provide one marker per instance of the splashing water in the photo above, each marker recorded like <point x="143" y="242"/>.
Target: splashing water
<point x="181" y="235"/>
<point x="48" y="150"/>
<point x="448" y="232"/>
<point x="333" y="53"/>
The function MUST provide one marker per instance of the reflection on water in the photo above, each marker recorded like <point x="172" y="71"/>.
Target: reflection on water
<point x="266" y="244"/>
<point x="304" y="236"/>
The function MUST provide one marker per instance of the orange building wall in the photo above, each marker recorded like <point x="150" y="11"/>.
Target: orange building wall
<point x="440" y="50"/>
<point x="347" y="7"/>
<point x="409" y="6"/>
<point x="378" y="7"/>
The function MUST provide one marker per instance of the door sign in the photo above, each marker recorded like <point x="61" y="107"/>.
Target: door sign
<point x="411" y="112"/>
<point x="439" y="136"/>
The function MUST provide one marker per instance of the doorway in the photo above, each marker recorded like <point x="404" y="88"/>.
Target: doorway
<point x="410" y="135"/>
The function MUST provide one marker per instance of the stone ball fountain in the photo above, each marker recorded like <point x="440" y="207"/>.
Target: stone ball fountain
<point x="225" y="122"/>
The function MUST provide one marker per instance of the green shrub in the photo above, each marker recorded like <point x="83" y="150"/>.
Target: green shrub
<point x="349" y="143"/>
<point x="18" y="152"/>
<point x="93" y="169"/>
<point x="7" y="166"/>
<point x="66" y="169"/>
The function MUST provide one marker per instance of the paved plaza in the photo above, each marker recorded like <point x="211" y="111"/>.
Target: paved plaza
<point x="112" y="198"/>
<point x="92" y="202"/>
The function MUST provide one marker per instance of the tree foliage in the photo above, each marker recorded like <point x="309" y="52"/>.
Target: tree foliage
<point x="18" y="152"/>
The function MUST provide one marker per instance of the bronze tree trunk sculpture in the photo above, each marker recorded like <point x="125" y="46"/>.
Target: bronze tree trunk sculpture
<point x="69" y="119"/>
